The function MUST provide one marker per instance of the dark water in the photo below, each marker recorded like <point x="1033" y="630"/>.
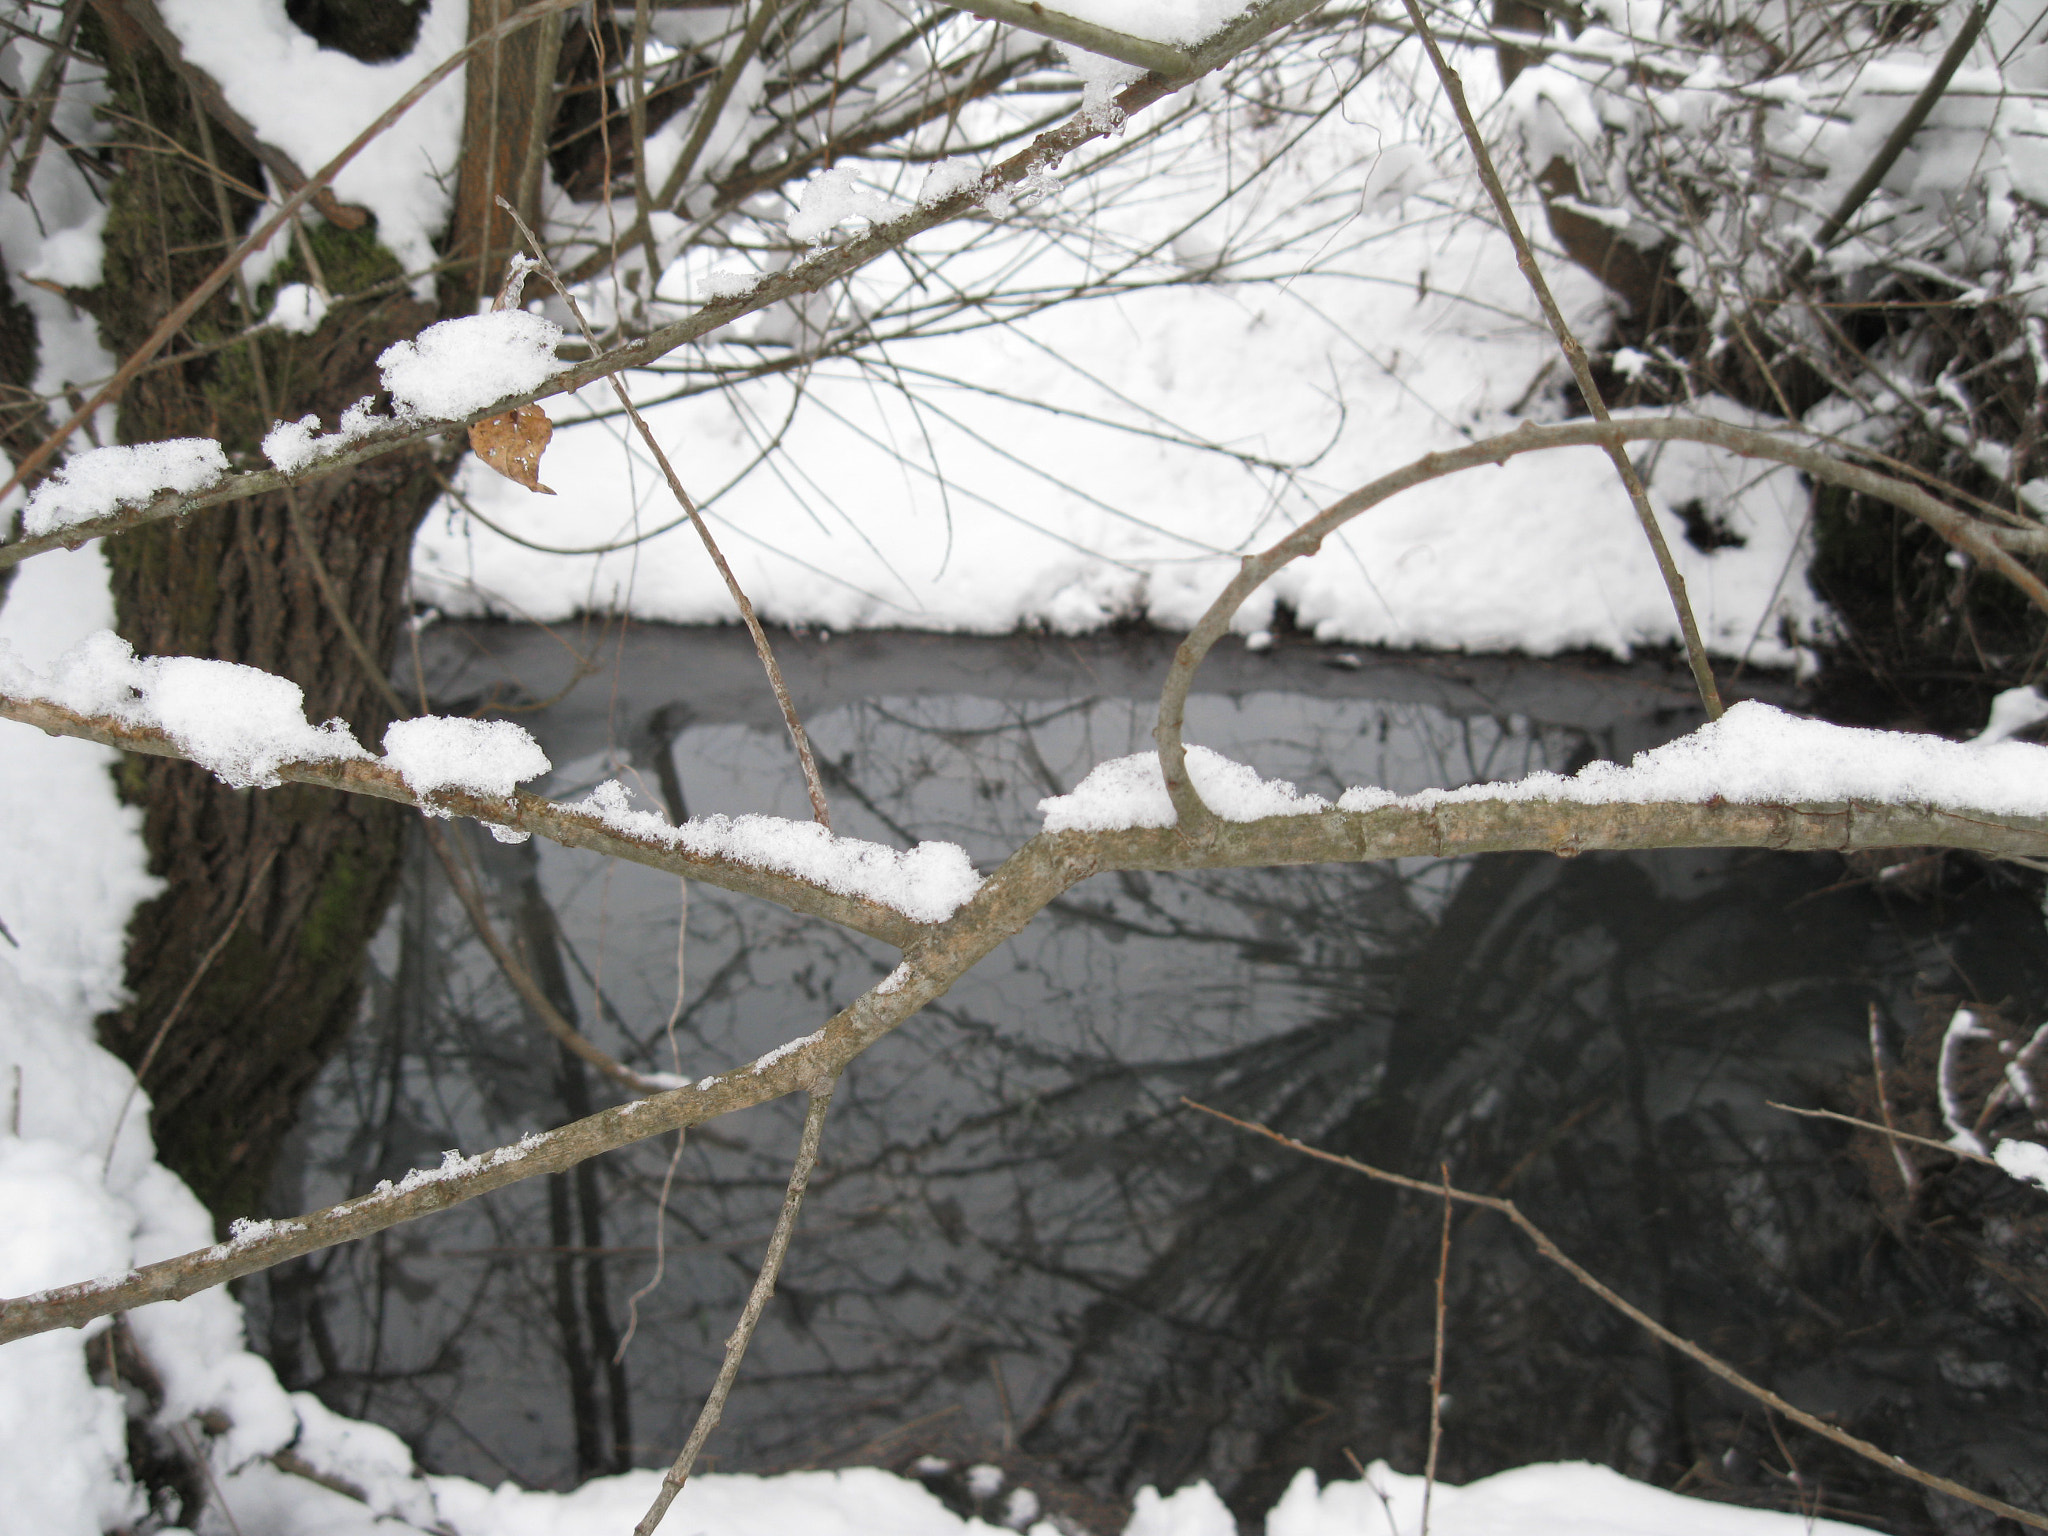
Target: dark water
<point x="1020" y="1247"/>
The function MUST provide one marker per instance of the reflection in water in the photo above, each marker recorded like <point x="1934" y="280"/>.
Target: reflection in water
<point x="1019" y="1242"/>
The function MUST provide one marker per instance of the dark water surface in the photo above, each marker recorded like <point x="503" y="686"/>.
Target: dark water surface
<point x="1019" y="1245"/>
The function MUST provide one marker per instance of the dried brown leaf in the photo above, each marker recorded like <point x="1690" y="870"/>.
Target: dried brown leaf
<point x="513" y="443"/>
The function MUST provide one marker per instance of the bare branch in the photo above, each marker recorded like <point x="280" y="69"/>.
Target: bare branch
<point x="1161" y="58"/>
<point x="1007" y="901"/>
<point x="1575" y="355"/>
<point x="750" y="1316"/>
<point x="1886" y="1130"/>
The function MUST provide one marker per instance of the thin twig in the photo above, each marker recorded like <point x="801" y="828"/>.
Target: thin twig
<point x="813" y="783"/>
<point x="1908" y="1174"/>
<point x="1575" y="355"/>
<point x="1679" y="1342"/>
<point x="523" y="982"/>
<point x="1436" y="1368"/>
<point x="185" y="996"/>
<point x="1885" y="1130"/>
<point x="668" y="1179"/>
<point x="750" y="1316"/>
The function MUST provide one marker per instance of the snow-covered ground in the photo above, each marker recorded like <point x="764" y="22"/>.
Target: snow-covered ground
<point x="1110" y="459"/>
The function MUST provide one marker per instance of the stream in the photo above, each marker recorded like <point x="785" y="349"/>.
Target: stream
<point x="1020" y="1248"/>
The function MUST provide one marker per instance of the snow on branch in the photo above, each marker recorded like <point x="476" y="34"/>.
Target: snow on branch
<point x="249" y="729"/>
<point x="1277" y="826"/>
<point x="1758" y="755"/>
<point x="240" y="724"/>
<point x="96" y="484"/>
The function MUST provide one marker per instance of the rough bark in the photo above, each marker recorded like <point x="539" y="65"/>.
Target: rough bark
<point x="226" y="1079"/>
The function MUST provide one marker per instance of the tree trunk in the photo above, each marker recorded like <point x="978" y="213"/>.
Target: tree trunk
<point x="290" y="883"/>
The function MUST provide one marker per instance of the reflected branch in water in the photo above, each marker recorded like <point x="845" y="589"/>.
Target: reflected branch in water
<point x="1635" y="1314"/>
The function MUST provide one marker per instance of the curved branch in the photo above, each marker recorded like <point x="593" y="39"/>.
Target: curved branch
<point x="1966" y="533"/>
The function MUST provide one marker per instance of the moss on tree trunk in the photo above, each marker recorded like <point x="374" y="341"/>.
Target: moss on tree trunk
<point x="316" y="869"/>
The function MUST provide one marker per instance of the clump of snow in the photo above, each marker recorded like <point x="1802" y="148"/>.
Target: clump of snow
<point x="946" y="178"/>
<point x="455" y="1166"/>
<point x="831" y="199"/>
<point x="240" y="723"/>
<point x="787" y="1048"/>
<point x="97" y="481"/>
<point x="1573" y="1496"/>
<point x="2012" y="711"/>
<point x="1758" y="755"/>
<point x="485" y="757"/>
<point x="985" y="1480"/>
<point x="292" y="445"/>
<point x="460" y="366"/>
<point x="928" y="884"/>
<point x="2026" y="1161"/>
<point x="243" y="1231"/>
<point x="721" y="283"/>
<point x="1131" y="792"/>
<point x="298" y="308"/>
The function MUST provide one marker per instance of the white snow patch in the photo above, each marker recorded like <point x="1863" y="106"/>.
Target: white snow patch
<point x="1131" y="792"/>
<point x="946" y="178"/>
<point x="1538" y="1500"/>
<point x="928" y="884"/>
<point x="984" y="1480"/>
<point x="293" y="445"/>
<point x="833" y="198"/>
<point x="723" y="283"/>
<point x="460" y="366"/>
<point x="2012" y="711"/>
<point x="298" y="308"/>
<point x="455" y="1166"/>
<point x="240" y="723"/>
<point x="788" y="1048"/>
<point x="1758" y="755"/>
<point x="2026" y="1161"/>
<point x="99" y="480"/>
<point x="311" y="102"/>
<point x="485" y="757"/>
